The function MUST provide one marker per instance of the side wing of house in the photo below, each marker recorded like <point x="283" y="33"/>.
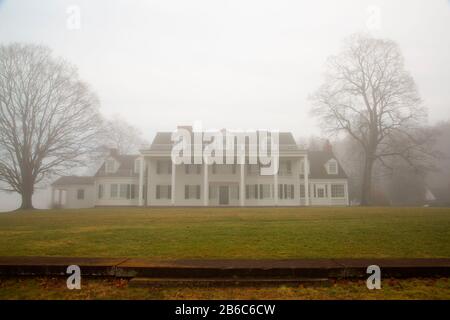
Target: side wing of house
<point x="72" y="192"/>
<point x="117" y="181"/>
<point x="328" y="180"/>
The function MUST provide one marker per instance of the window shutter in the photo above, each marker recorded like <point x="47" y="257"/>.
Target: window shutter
<point x="280" y="191"/>
<point x="247" y="191"/>
<point x="198" y="191"/>
<point x="158" y="191"/>
<point x="186" y="192"/>
<point x="261" y="195"/>
<point x="256" y="191"/>
<point x="292" y="191"/>
<point x="128" y="191"/>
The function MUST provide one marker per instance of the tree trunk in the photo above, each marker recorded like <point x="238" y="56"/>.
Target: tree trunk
<point x="27" y="190"/>
<point x="366" y="191"/>
<point x="27" y="203"/>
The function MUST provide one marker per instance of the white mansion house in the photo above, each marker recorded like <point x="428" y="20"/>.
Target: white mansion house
<point x="152" y="179"/>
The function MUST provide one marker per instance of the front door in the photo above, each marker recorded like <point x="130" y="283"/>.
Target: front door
<point x="223" y="195"/>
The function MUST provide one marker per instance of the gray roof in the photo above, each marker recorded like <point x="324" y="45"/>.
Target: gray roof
<point x="163" y="141"/>
<point x="126" y="166"/>
<point x="73" y="180"/>
<point x="317" y="161"/>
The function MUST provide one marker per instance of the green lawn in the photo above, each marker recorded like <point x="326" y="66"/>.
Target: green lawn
<point x="171" y="233"/>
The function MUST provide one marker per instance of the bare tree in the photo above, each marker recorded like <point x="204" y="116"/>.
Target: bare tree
<point x="369" y="95"/>
<point x="48" y="118"/>
<point x="120" y="135"/>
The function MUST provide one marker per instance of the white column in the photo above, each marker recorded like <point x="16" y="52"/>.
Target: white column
<point x="173" y="182"/>
<point x="300" y="167"/>
<point x="60" y="197"/>
<point x="52" y="198"/>
<point x="205" y="184"/>
<point x="306" y="179"/>
<point x="346" y="194"/>
<point x="242" y="186"/>
<point x="149" y="180"/>
<point x="141" y="181"/>
<point x="275" y="191"/>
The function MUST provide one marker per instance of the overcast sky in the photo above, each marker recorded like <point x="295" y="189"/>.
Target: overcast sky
<point x="228" y="63"/>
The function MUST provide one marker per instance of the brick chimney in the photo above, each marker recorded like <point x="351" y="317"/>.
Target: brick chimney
<point x="327" y="147"/>
<point x="113" y="152"/>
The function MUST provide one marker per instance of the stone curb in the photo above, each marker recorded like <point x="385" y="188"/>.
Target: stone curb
<point x="240" y="269"/>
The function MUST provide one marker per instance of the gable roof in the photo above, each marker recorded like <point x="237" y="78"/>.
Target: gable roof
<point x="126" y="166"/>
<point x="317" y="162"/>
<point x="73" y="180"/>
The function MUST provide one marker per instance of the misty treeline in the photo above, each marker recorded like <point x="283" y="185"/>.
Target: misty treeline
<point x="395" y="183"/>
<point x="50" y="122"/>
<point x="370" y="103"/>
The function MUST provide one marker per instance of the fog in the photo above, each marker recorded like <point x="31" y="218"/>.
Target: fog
<point x="235" y="64"/>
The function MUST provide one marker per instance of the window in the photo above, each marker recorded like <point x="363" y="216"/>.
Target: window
<point x="163" y="167"/>
<point x="213" y="190"/>
<point x="114" y="189"/>
<point x="123" y="190"/>
<point x="337" y="191"/>
<point x="100" y="191"/>
<point x="286" y="191"/>
<point x="163" y="192"/>
<point x="332" y="167"/>
<point x="80" y="194"/>
<point x="285" y="168"/>
<point x="251" y="191"/>
<point x="302" y="190"/>
<point x="265" y="191"/>
<point x="234" y="192"/>
<point x="320" y="192"/>
<point x="133" y="193"/>
<point x="137" y="165"/>
<point x="110" y="165"/>
<point x="302" y="167"/>
<point x="192" y="191"/>
<point x="192" y="169"/>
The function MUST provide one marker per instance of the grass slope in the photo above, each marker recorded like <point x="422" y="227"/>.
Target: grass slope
<point x="55" y="289"/>
<point x="174" y="233"/>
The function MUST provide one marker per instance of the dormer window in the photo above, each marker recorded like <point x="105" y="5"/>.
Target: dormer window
<point x="332" y="167"/>
<point x="110" y="165"/>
